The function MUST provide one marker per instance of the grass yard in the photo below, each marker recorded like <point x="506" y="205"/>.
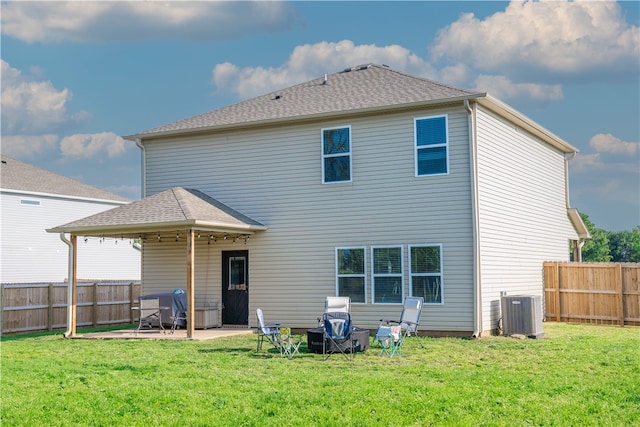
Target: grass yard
<point x="578" y="375"/>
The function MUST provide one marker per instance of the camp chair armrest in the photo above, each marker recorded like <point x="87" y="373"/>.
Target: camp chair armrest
<point x="273" y="325"/>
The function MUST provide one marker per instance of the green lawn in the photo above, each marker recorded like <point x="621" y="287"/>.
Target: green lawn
<point x="575" y="376"/>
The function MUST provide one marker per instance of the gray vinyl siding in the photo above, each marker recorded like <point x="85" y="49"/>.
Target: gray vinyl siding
<point x="522" y="211"/>
<point x="274" y="175"/>
<point x="30" y="254"/>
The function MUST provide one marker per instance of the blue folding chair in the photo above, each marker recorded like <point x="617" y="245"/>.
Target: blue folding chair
<point x="337" y="334"/>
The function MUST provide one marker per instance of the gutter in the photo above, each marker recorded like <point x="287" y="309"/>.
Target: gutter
<point x="473" y="172"/>
<point x="67" y="334"/>
<point x="274" y="121"/>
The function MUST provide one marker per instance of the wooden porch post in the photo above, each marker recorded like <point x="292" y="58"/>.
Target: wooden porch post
<point x="74" y="285"/>
<point x="191" y="315"/>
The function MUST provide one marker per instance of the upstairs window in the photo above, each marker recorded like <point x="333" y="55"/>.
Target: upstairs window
<point x="426" y="272"/>
<point x="431" y="137"/>
<point x="336" y="154"/>
<point x="350" y="269"/>
<point x="387" y="274"/>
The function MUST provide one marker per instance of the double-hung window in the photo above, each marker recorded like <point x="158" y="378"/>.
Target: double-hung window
<point x="387" y="274"/>
<point x="350" y="273"/>
<point x="426" y="272"/>
<point x="336" y="154"/>
<point x="431" y="139"/>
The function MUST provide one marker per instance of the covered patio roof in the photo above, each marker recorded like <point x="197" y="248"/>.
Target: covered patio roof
<point x="167" y="213"/>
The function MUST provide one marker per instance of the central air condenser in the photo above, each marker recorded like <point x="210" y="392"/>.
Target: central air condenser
<point x="522" y="315"/>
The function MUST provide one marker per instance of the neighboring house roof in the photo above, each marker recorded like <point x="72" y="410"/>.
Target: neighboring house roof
<point x="365" y="87"/>
<point x="174" y="209"/>
<point x="362" y="89"/>
<point x="16" y="176"/>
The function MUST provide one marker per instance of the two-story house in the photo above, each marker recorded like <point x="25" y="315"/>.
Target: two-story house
<point x="369" y="183"/>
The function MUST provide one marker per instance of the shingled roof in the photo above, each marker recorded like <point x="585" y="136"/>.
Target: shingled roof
<point x="363" y="88"/>
<point x="22" y="177"/>
<point x="174" y="209"/>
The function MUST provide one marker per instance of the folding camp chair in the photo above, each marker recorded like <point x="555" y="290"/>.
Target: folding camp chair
<point x="409" y="319"/>
<point x="267" y="332"/>
<point x="390" y="339"/>
<point x="289" y="346"/>
<point x="150" y="313"/>
<point x="337" y="334"/>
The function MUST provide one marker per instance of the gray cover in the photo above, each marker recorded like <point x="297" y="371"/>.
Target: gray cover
<point x="177" y="303"/>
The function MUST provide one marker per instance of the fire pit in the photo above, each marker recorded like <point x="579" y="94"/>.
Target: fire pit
<point x="360" y="338"/>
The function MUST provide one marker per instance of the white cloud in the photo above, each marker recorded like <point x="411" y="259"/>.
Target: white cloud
<point x="612" y="156"/>
<point x="310" y="61"/>
<point x="21" y="146"/>
<point x="32" y="107"/>
<point x="607" y="143"/>
<point x="100" y="21"/>
<point x="503" y="88"/>
<point x="545" y="40"/>
<point x="91" y="145"/>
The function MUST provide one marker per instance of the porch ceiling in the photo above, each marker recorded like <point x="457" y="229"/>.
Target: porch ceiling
<point x="165" y="214"/>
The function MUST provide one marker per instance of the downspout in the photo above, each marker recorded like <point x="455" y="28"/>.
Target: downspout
<point x="143" y="166"/>
<point x="67" y="334"/>
<point x="581" y="242"/>
<point x="473" y="173"/>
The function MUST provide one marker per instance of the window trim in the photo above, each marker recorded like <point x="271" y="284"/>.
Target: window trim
<point x="363" y="275"/>
<point x="417" y="148"/>
<point x="325" y="156"/>
<point x="441" y="274"/>
<point x="374" y="275"/>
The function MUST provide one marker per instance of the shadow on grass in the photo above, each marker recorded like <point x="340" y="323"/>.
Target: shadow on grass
<point x="29" y="335"/>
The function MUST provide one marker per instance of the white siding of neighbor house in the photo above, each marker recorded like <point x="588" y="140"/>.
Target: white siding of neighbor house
<point x="30" y="254"/>
<point x="274" y="175"/>
<point x="522" y="211"/>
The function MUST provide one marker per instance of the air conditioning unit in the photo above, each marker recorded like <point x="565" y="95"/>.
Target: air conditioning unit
<point x="522" y="314"/>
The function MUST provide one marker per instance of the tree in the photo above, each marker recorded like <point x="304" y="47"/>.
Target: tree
<point x="595" y="249"/>
<point x="625" y="245"/>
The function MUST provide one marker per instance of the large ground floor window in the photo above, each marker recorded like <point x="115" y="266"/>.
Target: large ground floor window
<point x="388" y="270"/>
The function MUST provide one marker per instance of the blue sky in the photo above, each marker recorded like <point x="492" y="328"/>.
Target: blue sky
<point x="77" y="76"/>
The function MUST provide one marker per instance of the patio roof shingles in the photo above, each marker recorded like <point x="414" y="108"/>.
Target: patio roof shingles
<point x="176" y="208"/>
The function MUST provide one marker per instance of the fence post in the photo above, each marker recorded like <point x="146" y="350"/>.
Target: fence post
<point x="95" y="304"/>
<point x="131" y="300"/>
<point x="556" y="272"/>
<point x="50" y="308"/>
<point x="620" y="293"/>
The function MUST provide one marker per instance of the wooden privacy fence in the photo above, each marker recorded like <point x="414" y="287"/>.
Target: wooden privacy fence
<point x="602" y="293"/>
<point x="43" y="306"/>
